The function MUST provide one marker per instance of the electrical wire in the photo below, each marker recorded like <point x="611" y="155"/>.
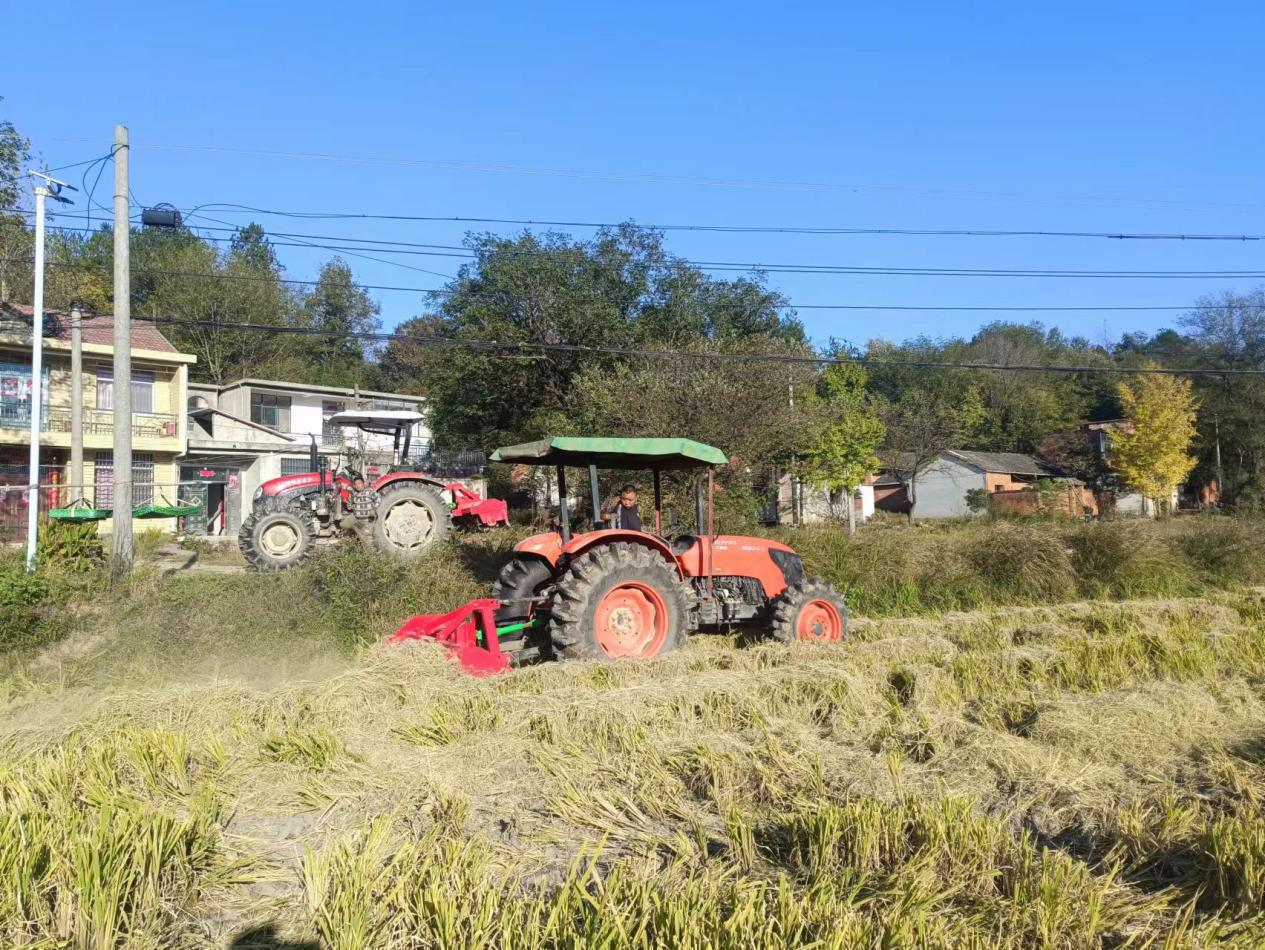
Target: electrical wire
<point x="352" y="252"/>
<point x="667" y="179"/>
<point x="520" y="347"/>
<point x="453" y="251"/>
<point x="817" y="360"/>
<point x="449" y="291"/>
<point x="742" y="229"/>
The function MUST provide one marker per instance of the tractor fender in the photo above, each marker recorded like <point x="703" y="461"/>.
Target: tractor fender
<point x="392" y="477"/>
<point x="549" y="546"/>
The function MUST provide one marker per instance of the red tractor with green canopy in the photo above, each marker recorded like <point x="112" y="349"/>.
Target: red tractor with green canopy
<point x="609" y="593"/>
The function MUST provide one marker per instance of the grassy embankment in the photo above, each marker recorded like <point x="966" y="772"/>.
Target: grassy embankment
<point x="1085" y="774"/>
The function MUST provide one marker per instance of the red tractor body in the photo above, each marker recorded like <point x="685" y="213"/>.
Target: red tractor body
<point x="408" y="511"/>
<point x="617" y="592"/>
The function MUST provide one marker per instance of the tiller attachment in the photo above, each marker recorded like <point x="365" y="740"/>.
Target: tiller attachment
<point x="490" y="512"/>
<point x="470" y="632"/>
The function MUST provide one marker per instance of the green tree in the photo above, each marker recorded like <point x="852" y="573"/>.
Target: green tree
<point x="618" y="289"/>
<point x="209" y="296"/>
<point x="338" y="309"/>
<point x="844" y="450"/>
<point x="14" y="236"/>
<point x="1225" y="330"/>
<point x="1152" y="451"/>
<point x="920" y="426"/>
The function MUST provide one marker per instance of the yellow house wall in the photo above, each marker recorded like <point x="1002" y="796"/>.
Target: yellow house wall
<point x="169" y="399"/>
<point x="171" y="374"/>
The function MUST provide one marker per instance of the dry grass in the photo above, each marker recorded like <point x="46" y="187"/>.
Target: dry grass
<point x="1086" y="774"/>
<point x="1078" y="776"/>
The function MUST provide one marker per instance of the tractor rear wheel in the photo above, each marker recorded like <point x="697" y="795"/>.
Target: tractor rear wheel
<point x="811" y="610"/>
<point x="520" y="580"/>
<point x="411" y="517"/>
<point x="276" y="537"/>
<point x="619" y="600"/>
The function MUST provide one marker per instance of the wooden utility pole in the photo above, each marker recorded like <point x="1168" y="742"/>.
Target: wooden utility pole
<point x="122" y="534"/>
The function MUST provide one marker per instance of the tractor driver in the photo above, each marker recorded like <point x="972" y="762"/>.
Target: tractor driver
<point x="364" y="507"/>
<point x="624" y="515"/>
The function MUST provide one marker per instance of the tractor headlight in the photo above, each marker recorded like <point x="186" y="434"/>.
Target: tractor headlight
<point x="259" y="493"/>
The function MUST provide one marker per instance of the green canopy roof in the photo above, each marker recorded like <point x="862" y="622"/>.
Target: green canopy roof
<point x="612" y="453"/>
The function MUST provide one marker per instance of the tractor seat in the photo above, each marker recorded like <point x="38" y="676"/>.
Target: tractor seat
<point x="683" y="543"/>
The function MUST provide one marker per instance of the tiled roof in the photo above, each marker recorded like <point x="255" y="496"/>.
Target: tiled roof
<point x="98" y="328"/>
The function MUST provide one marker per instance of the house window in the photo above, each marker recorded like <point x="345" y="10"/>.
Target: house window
<point x="271" y="410"/>
<point x="142" y="389"/>
<point x="331" y="435"/>
<point x="142" y="479"/>
<point x="15" y="395"/>
<point x="295" y="466"/>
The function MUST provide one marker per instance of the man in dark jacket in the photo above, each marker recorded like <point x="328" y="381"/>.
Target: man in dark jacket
<point x="624" y="515"/>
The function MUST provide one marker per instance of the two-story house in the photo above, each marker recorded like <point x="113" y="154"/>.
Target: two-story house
<point x="243" y="433"/>
<point x="159" y="381"/>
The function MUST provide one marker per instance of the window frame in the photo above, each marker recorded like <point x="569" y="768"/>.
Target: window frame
<point x="278" y="403"/>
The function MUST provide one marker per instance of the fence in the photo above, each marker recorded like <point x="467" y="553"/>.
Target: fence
<point x="56" y="492"/>
<point x="145" y="425"/>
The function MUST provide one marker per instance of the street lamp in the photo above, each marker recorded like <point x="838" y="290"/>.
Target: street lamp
<point x="51" y="188"/>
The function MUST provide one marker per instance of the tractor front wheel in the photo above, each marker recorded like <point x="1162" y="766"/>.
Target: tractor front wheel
<point x="411" y="517"/>
<point x="812" y="610"/>
<point x="273" y="540"/>
<point x="619" y="600"/>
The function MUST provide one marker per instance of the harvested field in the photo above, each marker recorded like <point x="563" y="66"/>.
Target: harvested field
<point x="1082" y="774"/>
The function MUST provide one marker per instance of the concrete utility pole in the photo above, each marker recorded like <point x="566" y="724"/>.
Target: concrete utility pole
<point x="76" y="403"/>
<point x="122" y="534"/>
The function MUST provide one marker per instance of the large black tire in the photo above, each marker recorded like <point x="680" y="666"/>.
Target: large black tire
<point x="810" y="610"/>
<point x="520" y="580"/>
<point x="620" y="600"/>
<point x="277" y="536"/>
<point x="412" y="516"/>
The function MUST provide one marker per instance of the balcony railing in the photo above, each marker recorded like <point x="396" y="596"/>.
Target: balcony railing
<point x="145" y="425"/>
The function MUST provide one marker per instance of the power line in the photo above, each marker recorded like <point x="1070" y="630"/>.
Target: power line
<point x="351" y="251"/>
<point x="713" y="228"/>
<point x="818" y="360"/>
<point x="744" y="229"/>
<point x="448" y="291"/>
<point x="749" y="183"/>
<point x="453" y="251"/>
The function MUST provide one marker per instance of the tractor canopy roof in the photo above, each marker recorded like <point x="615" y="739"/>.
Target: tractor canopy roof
<point x="612" y="453"/>
<point x="381" y="421"/>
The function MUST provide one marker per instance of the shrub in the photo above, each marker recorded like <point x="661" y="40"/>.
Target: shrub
<point x="1224" y="551"/>
<point x="1021" y="561"/>
<point x="73" y="547"/>
<point x="21" y="597"/>
<point x="1126" y="559"/>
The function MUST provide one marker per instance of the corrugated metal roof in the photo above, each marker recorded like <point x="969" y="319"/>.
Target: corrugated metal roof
<point x="1007" y="463"/>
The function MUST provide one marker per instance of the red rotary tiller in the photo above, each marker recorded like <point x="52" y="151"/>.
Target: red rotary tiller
<point x="470" y="633"/>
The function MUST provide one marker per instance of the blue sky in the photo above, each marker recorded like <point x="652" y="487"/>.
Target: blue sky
<point x="1126" y="116"/>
